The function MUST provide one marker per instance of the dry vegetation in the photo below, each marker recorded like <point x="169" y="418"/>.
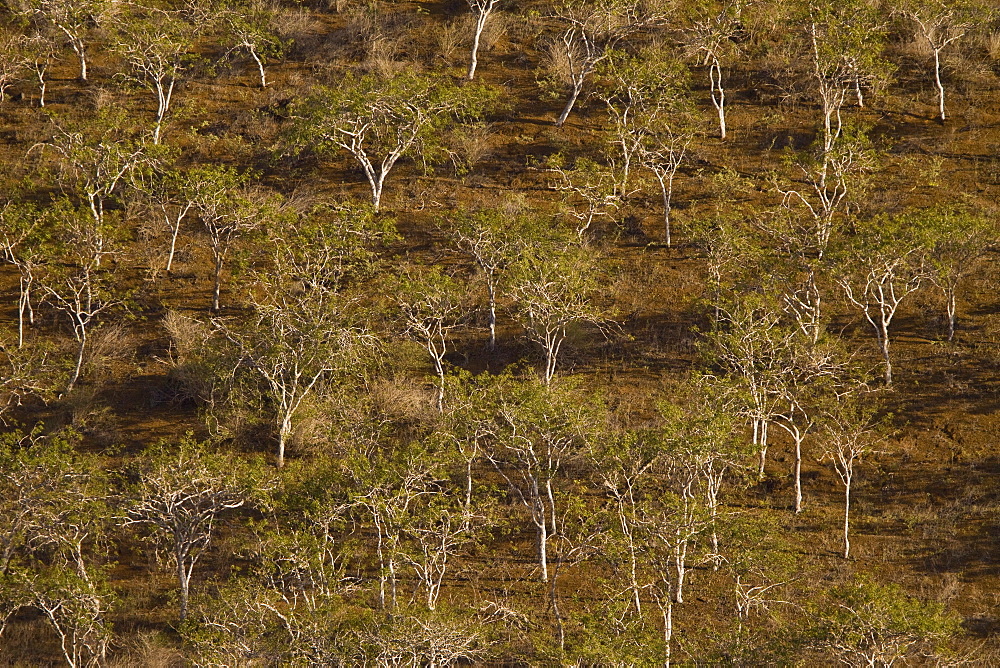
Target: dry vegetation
<point x="366" y="474"/>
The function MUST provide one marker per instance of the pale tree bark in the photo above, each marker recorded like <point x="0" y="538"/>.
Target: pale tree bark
<point x="481" y="11"/>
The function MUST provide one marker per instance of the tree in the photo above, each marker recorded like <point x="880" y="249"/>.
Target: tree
<point x="432" y="305"/>
<point x="38" y="51"/>
<point x="228" y="208"/>
<point x="379" y="120"/>
<point x="958" y="238"/>
<point x="801" y="230"/>
<point x="481" y="12"/>
<point x="590" y="190"/>
<point x="73" y="278"/>
<point x="493" y="238"/>
<point x="74" y="18"/>
<point x="303" y="335"/>
<point x="75" y="609"/>
<point x="845" y="42"/>
<point x="592" y="31"/>
<point x="942" y="23"/>
<point x="55" y="509"/>
<point x="712" y="36"/>
<point x="817" y="377"/>
<point x="95" y="159"/>
<point x="157" y="49"/>
<point x="167" y="192"/>
<point x="882" y="265"/>
<point x="853" y="430"/>
<point x="753" y="344"/>
<point x="658" y="486"/>
<point x="866" y="623"/>
<point x="553" y="288"/>
<point x="24" y="231"/>
<point x="251" y="28"/>
<point x="180" y="493"/>
<point x="662" y="153"/>
<point x="536" y="430"/>
<point x="388" y="490"/>
<point x="645" y="96"/>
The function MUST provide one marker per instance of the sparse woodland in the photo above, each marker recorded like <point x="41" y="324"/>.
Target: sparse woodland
<point x="559" y="332"/>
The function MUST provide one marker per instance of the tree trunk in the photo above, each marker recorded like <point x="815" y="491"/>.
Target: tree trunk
<point x="217" y="282"/>
<point x="173" y="244"/>
<point x="668" y="628"/>
<point x="491" y="288"/>
<point x="715" y="81"/>
<point x="798" y="474"/>
<point x="847" y="516"/>
<point x="41" y="88"/>
<point x="937" y="80"/>
<point x="474" y="60"/>
<point x="570" y="103"/>
<point x="543" y="547"/>
<point x="184" y="581"/>
<point x="75" y="376"/>
<point x="883" y="342"/>
<point x="662" y="178"/>
<point x="260" y="67"/>
<point x="284" y="431"/>
<point x="950" y="297"/>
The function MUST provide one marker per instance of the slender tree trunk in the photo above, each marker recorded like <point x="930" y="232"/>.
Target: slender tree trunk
<point x="380" y="549"/>
<point x="260" y="68"/>
<point x="937" y="80"/>
<point x="571" y="102"/>
<point x="377" y="184"/>
<point x="543" y="541"/>
<point x="217" y="282"/>
<point x="883" y="341"/>
<point x="284" y="431"/>
<point x="798" y="474"/>
<point x="24" y="306"/>
<point x="847" y="515"/>
<point x="718" y="95"/>
<point x="666" y="192"/>
<point x="554" y="602"/>
<point x="75" y="376"/>
<point x="950" y="297"/>
<point x="184" y="581"/>
<point x="667" y="610"/>
<point x="173" y="244"/>
<point x="41" y="87"/>
<point x="81" y="53"/>
<point x="491" y="289"/>
<point x="474" y="60"/>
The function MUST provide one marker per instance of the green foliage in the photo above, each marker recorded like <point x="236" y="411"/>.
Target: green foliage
<point x="872" y="624"/>
<point x="400" y="113"/>
<point x="554" y="285"/>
